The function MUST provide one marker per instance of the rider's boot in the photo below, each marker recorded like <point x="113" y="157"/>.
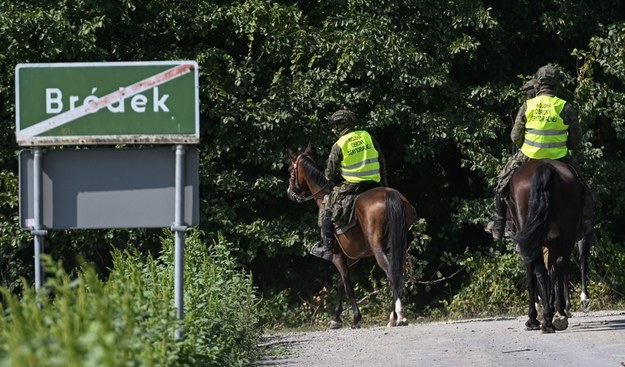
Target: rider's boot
<point x="325" y="248"/>
<point x="497" y="224"/>
<point x="510" y="229"/>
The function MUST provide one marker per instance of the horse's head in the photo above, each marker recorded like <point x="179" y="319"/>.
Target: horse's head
<point x="306" y="180"/>
<point x="298" y="186"/>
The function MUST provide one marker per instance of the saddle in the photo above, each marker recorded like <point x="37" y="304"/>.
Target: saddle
<point x="344" y="205"/>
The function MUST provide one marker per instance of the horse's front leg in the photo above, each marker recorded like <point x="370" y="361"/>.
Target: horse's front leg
<point x="340" y="262"/>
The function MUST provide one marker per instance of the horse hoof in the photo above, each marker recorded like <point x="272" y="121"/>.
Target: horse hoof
<point x="560" y="322"/>
<point x="548" y="330"/>
<point x="586" y="305"/>
<point x="402" y="322"/>
<point x="356" y="326"/>
<point x="335" y="324"/>
<point x="532" y="325"/>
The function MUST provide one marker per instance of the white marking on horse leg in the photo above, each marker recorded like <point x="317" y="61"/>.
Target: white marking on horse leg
<point x="585" y="301"/>
<point x="539" y="309"/>
<point x="391" y="320"/>
<point x="399" y="309"/>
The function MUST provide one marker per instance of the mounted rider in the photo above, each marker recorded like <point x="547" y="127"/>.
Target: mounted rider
<point x="355" y="164"/>
<point x="546" y="126"/>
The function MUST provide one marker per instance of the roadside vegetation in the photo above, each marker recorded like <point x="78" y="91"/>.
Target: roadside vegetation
<point x="436" y="82"/>
<point x="129" y="319"/>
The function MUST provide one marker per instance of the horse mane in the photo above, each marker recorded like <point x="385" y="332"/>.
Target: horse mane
<point x="316" y="174"/>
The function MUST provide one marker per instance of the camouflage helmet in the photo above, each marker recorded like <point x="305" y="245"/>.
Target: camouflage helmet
<point x="530" y="88"/>
<point x="342" y="119"/>
<point x="548" y="74"/>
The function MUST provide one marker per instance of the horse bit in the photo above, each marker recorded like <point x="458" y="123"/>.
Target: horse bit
<point x="300" y="196"/>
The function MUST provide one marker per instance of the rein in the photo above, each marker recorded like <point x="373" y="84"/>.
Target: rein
<point x="302" y="196"/>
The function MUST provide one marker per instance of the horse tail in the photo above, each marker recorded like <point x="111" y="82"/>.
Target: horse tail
<point x="396" y="231"/>
<point x="532" y="236"/>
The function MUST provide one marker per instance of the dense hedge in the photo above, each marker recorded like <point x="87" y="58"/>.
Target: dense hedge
<point x="436" y="82"/>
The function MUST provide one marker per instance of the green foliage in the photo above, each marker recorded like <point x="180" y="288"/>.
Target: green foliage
<point x="15" y="244"/>
<point x="436" y="82"/>
<point x="606" y="279"/>
<point x="496" y="287"/>
<point x="278" y="312"/>
<point x="130" y="319"/>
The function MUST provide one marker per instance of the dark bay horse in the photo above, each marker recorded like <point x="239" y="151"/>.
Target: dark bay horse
<point x="384" y="217"/>
<point x="546" y="206"/>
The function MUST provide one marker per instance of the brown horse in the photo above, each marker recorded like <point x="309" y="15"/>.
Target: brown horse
<point x="384" y="217"/>
<point x="546" y="206"/>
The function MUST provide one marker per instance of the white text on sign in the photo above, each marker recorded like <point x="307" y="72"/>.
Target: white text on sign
<point x="138" y="102"/>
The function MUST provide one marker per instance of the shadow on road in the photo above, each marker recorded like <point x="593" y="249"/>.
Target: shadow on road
<point x="597" y="325"/>
<point x="276" y="350"/>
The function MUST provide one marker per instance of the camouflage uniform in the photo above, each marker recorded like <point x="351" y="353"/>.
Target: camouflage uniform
<point x="530" y="89"/>
<point x="547" y="78"/>
<point x="342" y="122"/>
<point x="334" y="202"/>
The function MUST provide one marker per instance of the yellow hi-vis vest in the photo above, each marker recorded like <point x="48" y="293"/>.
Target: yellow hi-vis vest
<point x="545" y="131"/>
<point x="360" y="159"/>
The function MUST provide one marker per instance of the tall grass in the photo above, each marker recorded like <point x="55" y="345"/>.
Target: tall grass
<point x="130" y="319"/>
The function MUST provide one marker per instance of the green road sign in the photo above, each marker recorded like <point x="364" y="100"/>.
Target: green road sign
<point x="107" y="103"/>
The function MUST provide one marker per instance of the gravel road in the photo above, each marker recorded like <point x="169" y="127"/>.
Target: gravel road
<point x="592" y="339"/>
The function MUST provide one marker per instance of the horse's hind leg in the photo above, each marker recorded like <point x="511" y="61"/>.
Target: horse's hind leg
<point x="584" y="246"/>
<point x="341" y="264"/>
<point x="544" y="289"/>
<point x="336" y="322"/>
<point x="532" y="322"/>
<point x="560" y="318"/>
<point x="396" y="317"/>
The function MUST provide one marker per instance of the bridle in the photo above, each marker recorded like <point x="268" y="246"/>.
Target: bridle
<point x="296" y="192"/>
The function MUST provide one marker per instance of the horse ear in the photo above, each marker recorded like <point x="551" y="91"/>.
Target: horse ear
<point x="308" y="148"/>
<point x="291" y="154"/>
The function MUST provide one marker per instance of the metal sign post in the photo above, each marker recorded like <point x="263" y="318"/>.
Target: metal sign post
<point x="107" y="103"/>
<point x="38" y="231"/>
<point x="179" y="228"/>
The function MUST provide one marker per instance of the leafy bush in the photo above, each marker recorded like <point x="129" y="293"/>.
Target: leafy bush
<point x="130" y="319"/>
<point x="496" y="287"/>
